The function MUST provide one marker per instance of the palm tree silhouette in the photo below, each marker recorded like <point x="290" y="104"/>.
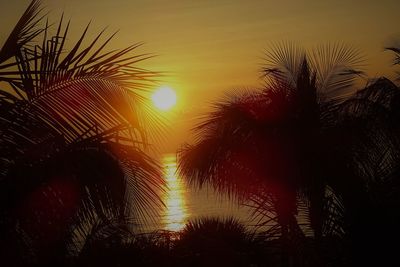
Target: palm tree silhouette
<point x="216" y="242"/>
<point x="74" y="128"/>
<point x="272" y="138"/>
<point x="271" y="147"/>
<point x="307" y="147"/>
<point x="367" y="125"/>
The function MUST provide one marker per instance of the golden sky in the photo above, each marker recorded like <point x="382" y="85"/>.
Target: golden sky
<point x="212" y="46"/>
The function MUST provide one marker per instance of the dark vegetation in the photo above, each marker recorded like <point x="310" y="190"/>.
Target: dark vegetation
<point x="318" y="163"/>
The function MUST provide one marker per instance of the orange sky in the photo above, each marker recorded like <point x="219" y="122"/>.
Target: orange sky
<point x="212" y="46"/>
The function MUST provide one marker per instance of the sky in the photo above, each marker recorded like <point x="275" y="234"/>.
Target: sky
<point x="209" y="47"/>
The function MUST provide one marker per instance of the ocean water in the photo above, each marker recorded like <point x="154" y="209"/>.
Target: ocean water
<point x="184" y="203"/>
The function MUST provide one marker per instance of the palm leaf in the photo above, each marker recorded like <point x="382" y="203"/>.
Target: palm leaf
<point x="396" y="59"/>
<point x="24" y="31"/>
<point x="283" y="61"/>
<point x="337" y="67"/>
<point x="396" y="51"/>
<point x="104" y="88"/>
<point x="80" y="117"/>
<point x="222" y="138"/>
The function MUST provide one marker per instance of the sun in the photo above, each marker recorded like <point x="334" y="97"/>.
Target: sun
<point x="164" y="98"/>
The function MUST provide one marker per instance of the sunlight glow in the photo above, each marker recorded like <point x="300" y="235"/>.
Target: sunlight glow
<point x="175" y="215"/>
<point x="164" y="98"/>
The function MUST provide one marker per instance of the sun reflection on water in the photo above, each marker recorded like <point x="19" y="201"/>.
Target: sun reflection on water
<point x="175" y="214"/>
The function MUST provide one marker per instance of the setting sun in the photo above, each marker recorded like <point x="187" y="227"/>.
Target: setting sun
<point x="164" y="98"/>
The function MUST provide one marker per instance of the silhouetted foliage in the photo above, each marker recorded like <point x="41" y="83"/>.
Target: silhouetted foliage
<point x="316" y="160"/>
<point x="395" y="48"/>
<point x="306" y="148"/>
<point x="73" y="129"/>
<point x="370" y="145"/>
<point x="216" y="242"/>
<point x="274" y="137"/>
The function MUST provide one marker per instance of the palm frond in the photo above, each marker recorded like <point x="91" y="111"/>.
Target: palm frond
<point x="396" y="51"/>
<point x="219" y="157"/>
<point x="26" y="29"/>
<point x="395" y="48"/>
<point x="334" y="213"/>
<point x="283" y="62"/>
<point x="227" y="227"/>
<point x="264" y="214"/>
<point x="144" y="182"/>
<point x="337" y="66"/>
<point x="73" y="134"/>
<point x="93" y="231"/>
<point x="87" y="86"/>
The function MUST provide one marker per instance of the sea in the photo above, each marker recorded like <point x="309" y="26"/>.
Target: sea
<point x="184" y="203"/>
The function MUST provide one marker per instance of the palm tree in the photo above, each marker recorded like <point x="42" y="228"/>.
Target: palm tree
<point x="215" y="242"/>
<point x="306" y="147"/>
<point x="369" y="126"/>
<point x="271" y="147"/>
<point x="74" y="128"/>
<point x="273" y="137"/>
